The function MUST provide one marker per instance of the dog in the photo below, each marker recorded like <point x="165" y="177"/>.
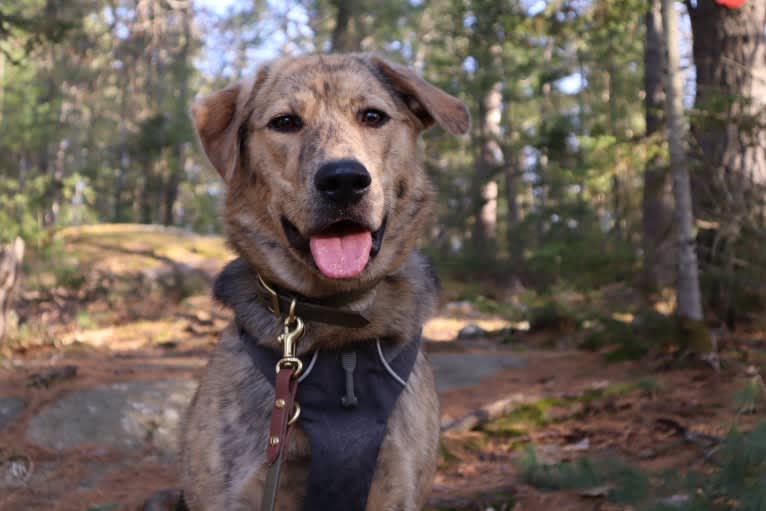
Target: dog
<point x="325" y="199"/>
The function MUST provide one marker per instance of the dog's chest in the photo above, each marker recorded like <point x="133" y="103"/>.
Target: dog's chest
<point x="345" y="399"/>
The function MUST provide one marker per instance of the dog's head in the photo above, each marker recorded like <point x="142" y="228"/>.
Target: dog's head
<point x="324" y="190"/>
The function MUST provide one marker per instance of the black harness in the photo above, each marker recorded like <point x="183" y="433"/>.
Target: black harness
<point x="346" y="398"/>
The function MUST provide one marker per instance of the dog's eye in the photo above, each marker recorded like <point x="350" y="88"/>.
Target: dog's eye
<point x="373" y="118"/>
<point x="286" y="123"/>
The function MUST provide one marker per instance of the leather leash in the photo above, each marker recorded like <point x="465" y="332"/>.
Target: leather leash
<point x="286" y="410"/>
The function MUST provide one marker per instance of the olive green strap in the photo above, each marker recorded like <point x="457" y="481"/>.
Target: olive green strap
<point x="271" y="485"/>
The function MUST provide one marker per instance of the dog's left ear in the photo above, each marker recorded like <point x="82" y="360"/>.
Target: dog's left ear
<point x="214" y="119"/>
<point x="429" y="104"/>
<point x="218" y="119"/>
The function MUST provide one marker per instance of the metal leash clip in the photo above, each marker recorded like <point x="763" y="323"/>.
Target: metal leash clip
<point x="292" y="332"/>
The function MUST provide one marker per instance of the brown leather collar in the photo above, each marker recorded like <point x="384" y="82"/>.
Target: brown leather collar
<point x="328" y="309"/>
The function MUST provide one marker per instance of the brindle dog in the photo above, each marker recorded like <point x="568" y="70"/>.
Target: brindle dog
<point x="325" y="194"/>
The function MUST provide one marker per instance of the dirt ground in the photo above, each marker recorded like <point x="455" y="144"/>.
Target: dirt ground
<point x="573" y="403"/>
<point x="475" y="465"/>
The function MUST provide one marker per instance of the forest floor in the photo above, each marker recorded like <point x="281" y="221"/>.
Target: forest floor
<point x="93" y="385"/>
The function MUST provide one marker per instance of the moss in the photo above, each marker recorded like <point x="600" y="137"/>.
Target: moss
<point x="694" y="336"/>
<point x="85" y="320"/>
<point x="524" y="418"/>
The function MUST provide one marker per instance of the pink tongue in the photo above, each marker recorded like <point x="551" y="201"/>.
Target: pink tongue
<point x="341" y="256"/>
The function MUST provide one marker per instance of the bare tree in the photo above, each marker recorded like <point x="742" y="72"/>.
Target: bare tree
<point x="657" y="202"/>
<point x="688" y="296"/>
<point x="489" y="158"/>
<point x="11" y="256"/>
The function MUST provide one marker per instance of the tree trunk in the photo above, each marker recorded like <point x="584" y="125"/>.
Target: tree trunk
<point x="657" y="202"/>
<point x="729" y="129"/>
<point x="342" y="38"/>
<point x="490" y="157"/>
<point x="124" y="155"/>
<point x="689" y="303"/>
<point x="617" y="204"/>
<point x="11" y="256"/>
<point x="2" y="85"/>
<point x="512" y="174"/>
<point x="542" y="162"/>
<point x="177" y="165"/>
<point x="730" y="59"/>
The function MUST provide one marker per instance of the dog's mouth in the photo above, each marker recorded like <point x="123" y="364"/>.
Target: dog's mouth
<point x="340" y="250"/>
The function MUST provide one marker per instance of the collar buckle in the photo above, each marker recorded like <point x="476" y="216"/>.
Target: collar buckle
<point x="274" y="307"/>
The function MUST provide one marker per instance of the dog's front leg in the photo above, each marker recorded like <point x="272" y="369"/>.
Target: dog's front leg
<point x="408" y="456"/>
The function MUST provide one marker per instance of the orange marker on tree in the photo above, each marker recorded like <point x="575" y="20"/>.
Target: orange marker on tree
<point x="731" y="4"/>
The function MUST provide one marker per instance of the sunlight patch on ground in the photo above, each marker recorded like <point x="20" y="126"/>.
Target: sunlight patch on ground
<point x="130" y="336"/>
<point x="446" y="328"/>
<point x="129" y="248"/>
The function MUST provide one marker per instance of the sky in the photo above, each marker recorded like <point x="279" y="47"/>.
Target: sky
<point x="217" y="6"/>
<point x="569" y="85"/>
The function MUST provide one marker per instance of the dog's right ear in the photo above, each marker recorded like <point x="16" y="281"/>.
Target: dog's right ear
<point x="427" y="103"/>
<point x="218" y="118"/>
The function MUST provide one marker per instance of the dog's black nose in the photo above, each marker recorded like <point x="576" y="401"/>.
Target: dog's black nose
<point x="343" y="182"/>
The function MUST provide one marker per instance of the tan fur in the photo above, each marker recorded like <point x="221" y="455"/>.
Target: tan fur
<point x="269" y="175"/>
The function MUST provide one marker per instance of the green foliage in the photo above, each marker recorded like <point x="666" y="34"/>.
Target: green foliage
<point x="30" y="333"/>
<point x="749" y="398"/>
<point x="551" y="315"/>
<point x="20" y="214"/>
<point x="561" y="310"/>
<point x="734" y="483"/>
<point x="574" y="249"/>
<point x="631" y="340"/>
<point x="94" y="103"/>
<point x="618" y="481"/>
<point x="50" y="267"/>
<point x="85" y="321"/>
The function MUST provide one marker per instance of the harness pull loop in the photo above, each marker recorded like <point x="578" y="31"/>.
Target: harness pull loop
<point x="348" y="362"/>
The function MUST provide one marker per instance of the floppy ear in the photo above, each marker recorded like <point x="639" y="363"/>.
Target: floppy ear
<point x="427" y="102"/>
<point x="218" y="118"/>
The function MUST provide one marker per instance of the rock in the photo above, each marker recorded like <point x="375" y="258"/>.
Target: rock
<point x="10" y="408"/>
<point x="16" y="471"/>
<point x="455" y="370"/>
<point x="52" y="376"/>
<point x="123" y="416"/>
<point x="471" y="331"/>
